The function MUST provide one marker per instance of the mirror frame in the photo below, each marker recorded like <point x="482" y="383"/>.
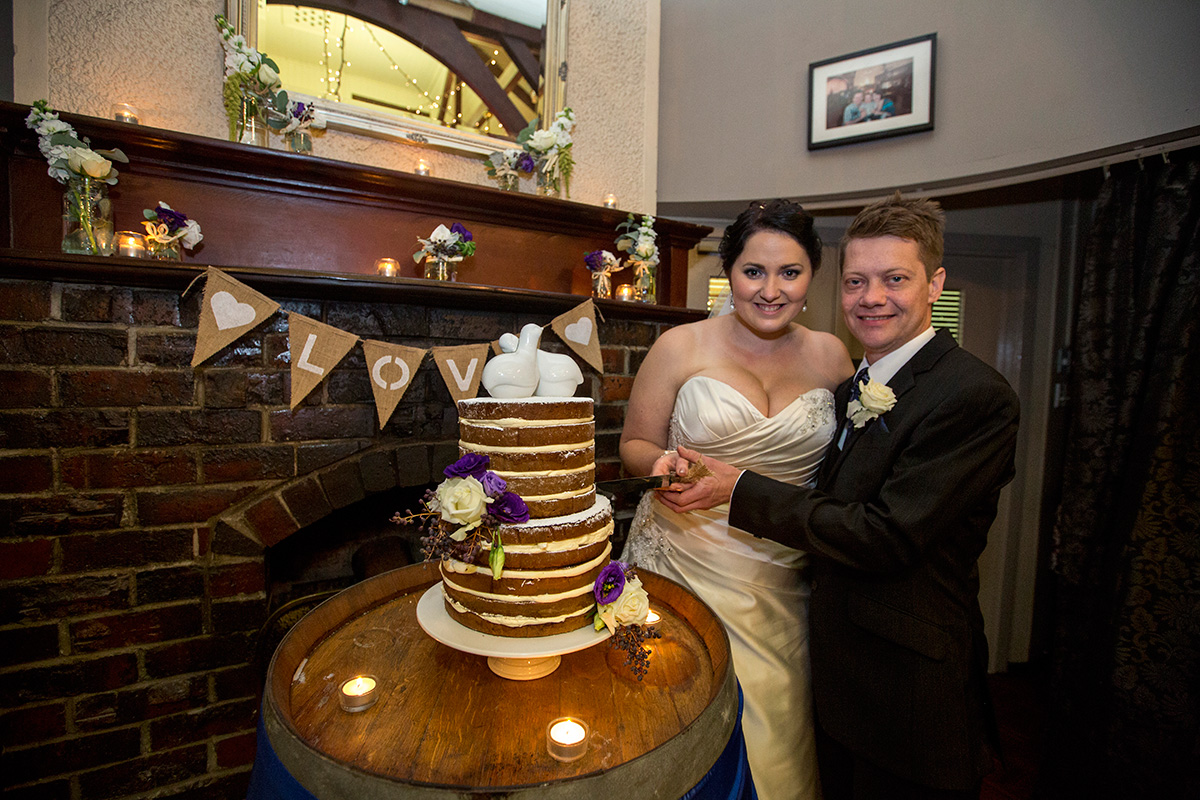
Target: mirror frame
<point x="243" y="15"/>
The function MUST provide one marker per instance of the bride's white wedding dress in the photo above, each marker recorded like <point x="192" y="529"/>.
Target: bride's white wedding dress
<point x="758" y="588"/>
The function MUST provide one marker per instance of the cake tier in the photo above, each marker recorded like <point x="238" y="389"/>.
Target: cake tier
<point x="522" y="603"/>
<point x="555" y="542"/>
<point x="543" y="447"/>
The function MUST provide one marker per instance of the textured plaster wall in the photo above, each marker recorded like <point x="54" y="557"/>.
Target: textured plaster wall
<point x="165" y="57"/>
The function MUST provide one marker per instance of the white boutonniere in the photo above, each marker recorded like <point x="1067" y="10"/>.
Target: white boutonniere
<point x="874" y="399"/>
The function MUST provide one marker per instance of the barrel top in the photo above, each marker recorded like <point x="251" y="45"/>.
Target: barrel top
<point x="443" y="719"/>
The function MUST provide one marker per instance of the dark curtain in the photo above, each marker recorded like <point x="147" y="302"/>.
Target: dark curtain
<point x="1124" y="716"/>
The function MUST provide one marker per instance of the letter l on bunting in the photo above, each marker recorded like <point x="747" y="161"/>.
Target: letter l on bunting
<point x="315" y="349"/>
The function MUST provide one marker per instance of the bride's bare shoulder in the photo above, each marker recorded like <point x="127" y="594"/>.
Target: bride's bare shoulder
<point x="828" y="351"/>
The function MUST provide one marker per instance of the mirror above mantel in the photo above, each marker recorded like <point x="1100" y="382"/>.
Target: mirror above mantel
<point x="460" y="76"/>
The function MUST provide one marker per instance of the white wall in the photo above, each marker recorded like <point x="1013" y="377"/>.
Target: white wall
<point x="1018" y="82"/>
<point x="165" y="58"/>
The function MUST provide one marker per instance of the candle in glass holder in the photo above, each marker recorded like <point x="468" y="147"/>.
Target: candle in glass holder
<point x="625" y="291"/>
<point x="130" y="244"/>
<point x="610" y="200"/>
<point x="422" y="167"/>
<point x="387" y="267"/>
<point x="123" y="112"/>
<point x="567" y="738"/>
<point x="358" y="693"/>
<point x="652" y="617"/>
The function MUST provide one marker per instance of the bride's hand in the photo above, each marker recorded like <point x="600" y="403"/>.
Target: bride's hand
<point x="669" y="463"/>
<point x="711" y="490"/>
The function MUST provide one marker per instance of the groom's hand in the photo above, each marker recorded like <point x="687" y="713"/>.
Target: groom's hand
<point x="711" y="490"/>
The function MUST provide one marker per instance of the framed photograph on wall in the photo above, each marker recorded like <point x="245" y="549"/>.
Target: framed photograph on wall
<point x="872" y="94"/>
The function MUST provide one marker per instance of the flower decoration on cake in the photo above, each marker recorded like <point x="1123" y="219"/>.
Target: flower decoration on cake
<point x="623" y="607"/>
<point x="507" y="166"/>
<point x="874" y="398"/>
<point x="551" y="150"/>
<point x="452" y="244"/>
<point x="465" y="510"/>
<point x="165" y="226"/>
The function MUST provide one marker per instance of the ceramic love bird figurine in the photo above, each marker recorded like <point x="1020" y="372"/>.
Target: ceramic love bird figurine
<point x="558" y="375"/>
<point x="514" y="373"/>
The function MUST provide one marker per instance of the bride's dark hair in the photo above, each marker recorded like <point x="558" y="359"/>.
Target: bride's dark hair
<point x="774" y="215"/>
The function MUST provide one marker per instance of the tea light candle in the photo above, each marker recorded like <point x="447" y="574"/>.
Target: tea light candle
<point x="652" y="617"/>
<point x="130" y="244"/>
<point x="625" y="291"/>
<point x="123" y="112"/>
<point x="422" y="167"/>
<point x="387" y="267"/>
<point x="358" y="693"/>
<point x="610" y="200"/>
<point x="567" y="738"/>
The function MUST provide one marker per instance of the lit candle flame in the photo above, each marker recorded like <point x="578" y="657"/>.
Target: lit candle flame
<point x="359" y="686"/>
<point x="567" y="732"/>
<point x="652" y="617"/>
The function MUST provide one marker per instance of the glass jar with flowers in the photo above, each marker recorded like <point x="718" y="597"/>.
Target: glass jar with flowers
<point x="168" y="231"/>
<point x="506" y="166"/>
<point x="443" y="251"/>
<point x="87" y="226"/>
<point x="639" y="240"/>
<point x="301" y="118"/>
<point x="551" y="151"/>
<point x="253" y="100"/>
<point x="602" y="264"/>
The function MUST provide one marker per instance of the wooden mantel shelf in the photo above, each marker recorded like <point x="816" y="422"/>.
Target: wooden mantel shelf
<point x="272" y="210"/>
<point x="278" y="283"/>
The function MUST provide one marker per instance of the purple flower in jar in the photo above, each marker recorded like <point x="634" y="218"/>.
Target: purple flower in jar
<point x="472" y="465"/>
<point x="525" y="163"/>
<point x="610" y="583"/>
<point x="594" y="261"/>
<point x="171" y="218"/>
<point x="298" y="111"/>
<point x="509" y="507"/>
<point x="461" y="231"/>
<point x="493" y="484"/>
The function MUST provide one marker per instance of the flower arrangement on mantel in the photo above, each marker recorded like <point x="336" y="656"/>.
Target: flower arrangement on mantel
<point x="442" y="251"/>
<point x="506" y="166"/>
<point x="602" y="264"/>
<point x="167" y="229"/>
<point x="640" y="240"/>
<point x="249" y="74"/>
<point x="73" y="162"/>
<point x="551" y="150"/>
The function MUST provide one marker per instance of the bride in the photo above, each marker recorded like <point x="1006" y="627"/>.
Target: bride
<point x="755" y="389"/>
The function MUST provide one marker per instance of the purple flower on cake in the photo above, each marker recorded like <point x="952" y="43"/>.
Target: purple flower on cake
<point x="471" y="464"/>
<point x="493" y="484"/>
<point x="509" y="507"/>
<point x="610" y="583"/>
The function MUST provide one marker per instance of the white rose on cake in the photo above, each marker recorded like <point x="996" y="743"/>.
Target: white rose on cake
<point x="462" y="502"/>
<point x="631" y="608"/>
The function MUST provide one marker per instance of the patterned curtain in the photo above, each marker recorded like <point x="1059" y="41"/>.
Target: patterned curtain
<point x="1124" y="720"/>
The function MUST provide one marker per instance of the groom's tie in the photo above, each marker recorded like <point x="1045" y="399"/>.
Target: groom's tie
<point x="855" y="392"/>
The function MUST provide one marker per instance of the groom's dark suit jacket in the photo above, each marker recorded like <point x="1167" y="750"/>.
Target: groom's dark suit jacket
<point x="896" y="525"/>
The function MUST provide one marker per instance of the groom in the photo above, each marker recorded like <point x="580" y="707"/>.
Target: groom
<point x="907" y="491"/>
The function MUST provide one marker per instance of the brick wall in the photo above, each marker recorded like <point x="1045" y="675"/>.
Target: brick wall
<point x="135" y="493"/>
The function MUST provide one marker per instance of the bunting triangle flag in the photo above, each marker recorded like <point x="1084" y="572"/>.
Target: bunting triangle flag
<point x="577" y="328"/>
<point x="228" y="311"/>
<point x="392" y="368"/>
<point x="315" y="349"/>
<point x="461" y="368"/>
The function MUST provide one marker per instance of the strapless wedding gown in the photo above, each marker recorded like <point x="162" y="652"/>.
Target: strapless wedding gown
<point x="757" y="587"/>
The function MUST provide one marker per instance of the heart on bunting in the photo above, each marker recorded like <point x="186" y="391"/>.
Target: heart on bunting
<point x="578" y="329"/>
<point x="229" y="313"/>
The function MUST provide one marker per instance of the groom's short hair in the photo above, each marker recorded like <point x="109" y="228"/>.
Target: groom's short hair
<point x="920" y="221"/>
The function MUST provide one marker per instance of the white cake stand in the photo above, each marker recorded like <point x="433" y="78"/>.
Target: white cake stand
<point x="516" y="659"/>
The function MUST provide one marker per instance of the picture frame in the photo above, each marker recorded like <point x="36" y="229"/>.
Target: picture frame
<point x="872" y="94"/>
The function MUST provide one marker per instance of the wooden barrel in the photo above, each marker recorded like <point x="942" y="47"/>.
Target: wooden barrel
<point x="446" y="726"/>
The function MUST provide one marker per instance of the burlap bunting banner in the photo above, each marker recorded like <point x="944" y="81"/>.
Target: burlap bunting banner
<point x="578" y="329"/>
<point x="392" y="367"/>
<point x="461" y="368"/>
<point x="228" y="311"/>
<point x="316" y="348"/>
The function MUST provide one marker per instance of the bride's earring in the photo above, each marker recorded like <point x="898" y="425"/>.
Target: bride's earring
<point x="805" y="306"/>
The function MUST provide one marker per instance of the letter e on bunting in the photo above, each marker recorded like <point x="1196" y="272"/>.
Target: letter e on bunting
<point x="578" y="329"/>
<point x="315" y="349"/>
<point x="228" y="311"/>
<point x="392" y="367"/>
<point x="461" y="368"/>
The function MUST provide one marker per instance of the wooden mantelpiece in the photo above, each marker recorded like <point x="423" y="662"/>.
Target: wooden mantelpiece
<point x="289" y="213"/>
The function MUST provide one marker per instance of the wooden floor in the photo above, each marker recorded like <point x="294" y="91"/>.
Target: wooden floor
<point x="1020" y="711"/>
